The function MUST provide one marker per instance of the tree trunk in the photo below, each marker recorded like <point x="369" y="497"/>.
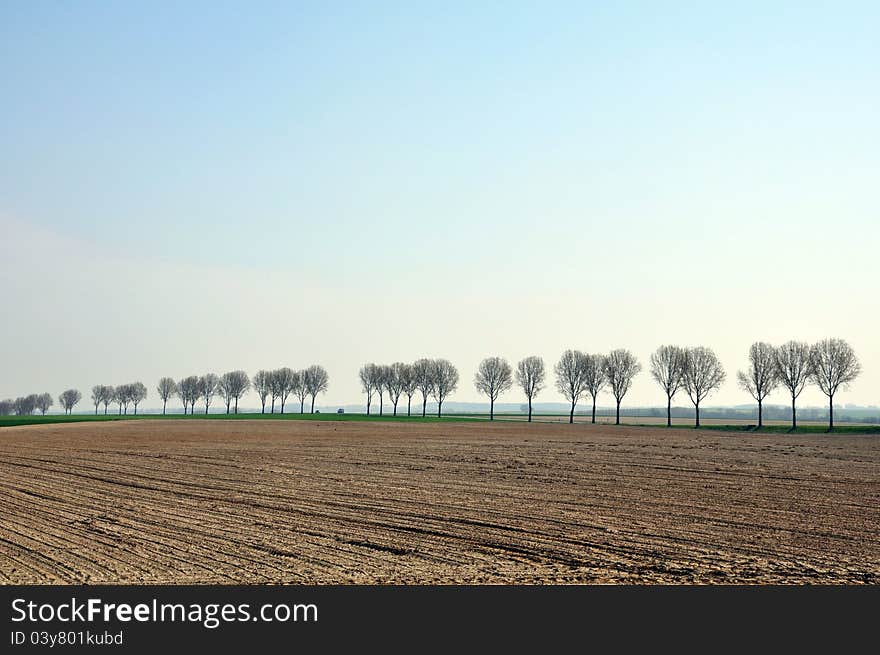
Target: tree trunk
<point x="302" y="405"/>
<point x="793" y="412"/>
<point x="760" y="415"/>
<point x="571" y="413"/>
<point x="668" y="411"/>
<point x="491" y="409"/>
<point x="380" y="404"/>
<point x="236" y="404"/>
<point x="424" y="405"/>
<point x="369" y="400"/>
<point x="105" y="410"/>
<point x="263" y="408"/>
<point x="530" y="409"/>
<point x="439" y="407"/>
<point x="96" y="411"/>
<point x="395" y="408"/>
<point x="313" y="405"/>
<point x="594" y="409"/>
<point x="164" y="404"/>
<point x="830" y="412"/>
<point x="697" y="405"/>
<point x="617" y="422"/>
<point x="408" y="406"/>
<point x="273" y="405"/>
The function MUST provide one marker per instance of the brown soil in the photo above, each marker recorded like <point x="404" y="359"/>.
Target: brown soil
<point x="323" y="502"/>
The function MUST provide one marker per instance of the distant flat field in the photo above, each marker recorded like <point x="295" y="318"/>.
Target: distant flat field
<point x="219" y="501"/>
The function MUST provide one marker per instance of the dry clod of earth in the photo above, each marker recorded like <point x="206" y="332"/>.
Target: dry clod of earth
<point x="320" y="502"/>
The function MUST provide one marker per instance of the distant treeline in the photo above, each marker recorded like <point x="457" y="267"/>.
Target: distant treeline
<point x="830" y="365"/>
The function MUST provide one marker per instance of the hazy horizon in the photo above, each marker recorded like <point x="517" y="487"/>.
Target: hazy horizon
<point x="206" y="188"/>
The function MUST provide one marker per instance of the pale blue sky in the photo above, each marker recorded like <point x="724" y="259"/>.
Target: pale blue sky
<point x="516" y="177"/>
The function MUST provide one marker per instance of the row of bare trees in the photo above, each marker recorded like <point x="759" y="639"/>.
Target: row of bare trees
<point x="25" y="405"/>
<point x="123" y="395"/>
<point x="436" y="378"/>
<point x="830" y="364"/>
<point x="278" y="385"/>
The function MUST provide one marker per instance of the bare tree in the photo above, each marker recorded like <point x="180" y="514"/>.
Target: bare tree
<point x="382" y="374"/>
<point x="445" y="380"/>
<point x="530" y="378"/>
<point x="316" y="380"/>
<point x="408" y="385"/>
<point x="166" y="388"/>
<point x="761" y="378"/>
<point x="667" y="369"/>
<point x="423" y="372"/>
<point x="97" y="396"/>
<point x="241" y="385"/>
<point x="25" y="405"/>
<point x="793" y="371"/>
<point x="232" y="386"/>
<point x="7" y="406"/>
<point x="494" y="376"/>
<point x="188" y="392"/>
<point x="833" y="366"/>
<point x="120" y="397"/>
<point x="285" y="381"/>
<point x="367" y="376"/>
<point x="595" y="378"/>
<point x="225" y="389"/>
<point x="68" y="399"/>
<point x="109" y="393"/>
<point x="703" y="374"/>
<point x="137" y="394"/>
<point x="208" y="389"/>
<point x="621" y="366"/>
<point x="274" y="388"/>
<point x="300" y="391"/>
<point x="44" y="402"/>
<point x="394" y="383"/>
<point x="570" y="378"/>
<point x="263" y="386"/>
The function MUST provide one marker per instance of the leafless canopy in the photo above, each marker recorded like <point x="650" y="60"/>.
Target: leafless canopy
<point x="833" y="366"/>
<point x="137" y="393"/>
<point x="595" y="377"/>
<point x="703" y="374"/>
<point x="792" y="362"/>
<point x="316" y="380"/>
<point x="369" y="377"/>
<point x="530" y="378"/>
<point x="445" y="381"/>
<point x="44" y="402"/>
<point x="621" y="366"/>
<point x="68" y="399"/>
<point x="761" y="377"/>
<point x="208" y="389"/>
<point x="394" y="382"/>
<point x="285" y="382"/>
<point x="494" y="376"/>
<point x="667" y="369"/>
<point x="570" y="377"/>
<point x="382" y="373"/>
<point x="188" y="391"/>
<point x="166" y="388"/>
<point x="423" y="375"/>
<point x="263" y="386"/>
<point x="408" y="385"/>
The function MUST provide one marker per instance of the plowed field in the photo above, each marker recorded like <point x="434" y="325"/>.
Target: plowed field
<point x="333" y="502"/>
